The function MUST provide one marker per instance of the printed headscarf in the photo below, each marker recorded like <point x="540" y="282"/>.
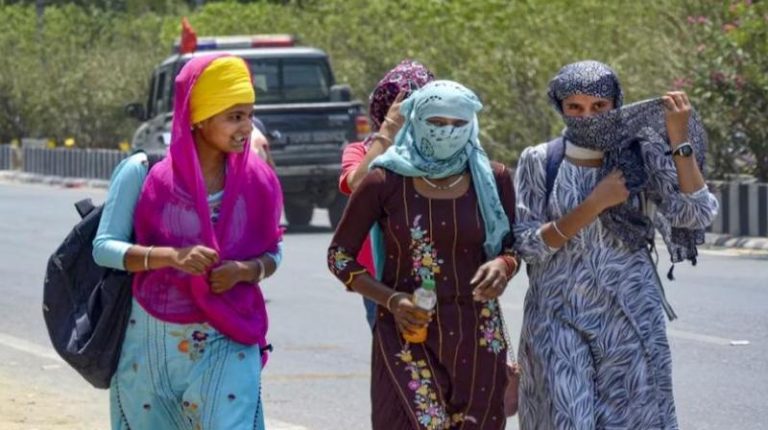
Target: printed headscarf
<point x="406" y="74"/>
<point x="592" y="78"/>
<point x="173" y="210"/>
<point x="425" y="150"/>
<point x="618" y="134"/>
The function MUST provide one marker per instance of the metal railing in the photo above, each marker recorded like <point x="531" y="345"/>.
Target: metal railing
<point x="6" y="157"/>
<point x="743" y="208"/>
<point x="72" y="163"/>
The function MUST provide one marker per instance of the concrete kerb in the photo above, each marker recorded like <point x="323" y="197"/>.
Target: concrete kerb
<point x="742" y="242"/>
<point x="61" y="181"/>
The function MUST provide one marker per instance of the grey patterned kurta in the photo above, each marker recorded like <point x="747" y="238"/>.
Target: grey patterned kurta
<point x="593" y="348"/>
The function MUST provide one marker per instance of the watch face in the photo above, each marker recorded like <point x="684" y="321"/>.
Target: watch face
<point x="684" y="151"/>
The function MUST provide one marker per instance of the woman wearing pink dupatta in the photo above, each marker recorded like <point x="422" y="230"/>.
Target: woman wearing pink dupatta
<point x="206" y="227"/>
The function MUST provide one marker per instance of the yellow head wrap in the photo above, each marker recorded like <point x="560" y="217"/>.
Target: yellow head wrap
<point x="224" y="83"/>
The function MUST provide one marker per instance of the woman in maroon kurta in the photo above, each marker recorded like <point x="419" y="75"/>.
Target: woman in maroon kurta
<point x="440" y="227"/>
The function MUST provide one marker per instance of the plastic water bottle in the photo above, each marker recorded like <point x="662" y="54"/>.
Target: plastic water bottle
<point x="424" y="298"/>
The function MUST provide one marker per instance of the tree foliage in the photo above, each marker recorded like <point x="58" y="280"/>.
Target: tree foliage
<point x="73" y="75"/>
<point x="729" y="76"/>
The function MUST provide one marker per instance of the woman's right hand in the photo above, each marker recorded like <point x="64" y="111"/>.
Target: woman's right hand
<point x="408" y="316"/>
<point x="610" y="191"/>
<point x="195" y="260"/>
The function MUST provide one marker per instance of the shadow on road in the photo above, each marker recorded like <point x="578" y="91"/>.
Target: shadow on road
<point x="304" y="229"/>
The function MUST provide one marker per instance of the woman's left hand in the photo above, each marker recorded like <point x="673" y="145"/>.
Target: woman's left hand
<point x="394" y="120"/>
<point x="678" y="112"/>
<point x="226" y="275"/>
<point x="489" y="281"/>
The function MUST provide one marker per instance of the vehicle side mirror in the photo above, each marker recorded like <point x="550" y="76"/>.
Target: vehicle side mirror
<point x="341" y="93"/>
<point x="135" y="110"/>
<point x="274" y="135"/>
<point x="276" y="139"/>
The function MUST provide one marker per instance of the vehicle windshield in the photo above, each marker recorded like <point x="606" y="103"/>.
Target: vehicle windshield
<point x="290" y="80"/>
<point x="276" y="81"/>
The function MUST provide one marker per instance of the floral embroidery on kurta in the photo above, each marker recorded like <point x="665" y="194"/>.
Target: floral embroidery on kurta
<point x="426" y="263"/>
<point x="192" y="414"/>
<point x="491" y="327"/>
<point x="193" y="340"/>
<point x="429" y="411"/>
<point x="338" y="259"/>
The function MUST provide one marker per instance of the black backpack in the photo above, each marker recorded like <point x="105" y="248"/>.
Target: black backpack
<point x="86" y="306"/>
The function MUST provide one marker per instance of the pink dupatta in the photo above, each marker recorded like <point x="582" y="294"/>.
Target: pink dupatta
<point x="173" y="211"/>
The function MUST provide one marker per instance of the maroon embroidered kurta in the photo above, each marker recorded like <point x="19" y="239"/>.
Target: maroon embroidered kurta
<point x="456" y="379"/>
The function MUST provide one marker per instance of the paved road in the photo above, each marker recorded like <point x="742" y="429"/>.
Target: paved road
<point x="318" y="376"/>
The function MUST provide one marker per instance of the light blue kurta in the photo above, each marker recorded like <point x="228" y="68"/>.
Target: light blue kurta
<point x="173" y="376"/>
<point x="593" y="349"/>
<point x="184" y="377"/>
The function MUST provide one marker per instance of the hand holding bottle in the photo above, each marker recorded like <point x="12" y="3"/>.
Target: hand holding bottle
<point x="422" y="302"/>
<point x="409" y="317"/>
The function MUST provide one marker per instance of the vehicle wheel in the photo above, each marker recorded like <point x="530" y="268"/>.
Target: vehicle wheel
<point x="298" y="214"/>
<point x="336" y="209"/>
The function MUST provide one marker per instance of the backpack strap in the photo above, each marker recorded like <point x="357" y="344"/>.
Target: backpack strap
<point x="637" y="149"/>
<point x="555" y="155"/>
<point x="84" y="207"/>
<point x="153" y="157"/>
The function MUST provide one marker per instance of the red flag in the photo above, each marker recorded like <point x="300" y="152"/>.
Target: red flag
<point x="188" y="37"/>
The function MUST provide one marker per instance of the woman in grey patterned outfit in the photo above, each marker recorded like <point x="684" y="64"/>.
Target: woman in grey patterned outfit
<point x="594" y="352"/>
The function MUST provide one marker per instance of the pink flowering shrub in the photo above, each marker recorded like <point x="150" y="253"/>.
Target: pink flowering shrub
<point x="727" y="77"/>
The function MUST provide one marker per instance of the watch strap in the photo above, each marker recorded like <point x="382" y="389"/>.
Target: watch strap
<point x="677" y="150"/>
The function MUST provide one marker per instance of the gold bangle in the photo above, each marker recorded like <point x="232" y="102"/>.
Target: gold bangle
<point x="262" y="271"/>
<point x="382" y="137"/>
<point x="391" y="121"/>
<point x="389" y="300"/>
<point x="557" y="229"/>
<point x="146" y="258"/>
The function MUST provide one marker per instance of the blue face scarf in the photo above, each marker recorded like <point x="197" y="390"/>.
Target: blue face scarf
<point x="441" y="143"/>
<point x="422" y="149"/>
<point x="614" y="133"/>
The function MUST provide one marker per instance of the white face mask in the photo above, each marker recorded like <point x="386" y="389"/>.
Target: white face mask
<point x="441" y="143"/>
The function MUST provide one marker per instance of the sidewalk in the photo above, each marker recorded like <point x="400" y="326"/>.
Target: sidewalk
<point x="27" y="405"/>
<point x="33" y="178"/>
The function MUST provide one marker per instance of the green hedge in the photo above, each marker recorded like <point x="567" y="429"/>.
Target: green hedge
<point x="73" y="78"/>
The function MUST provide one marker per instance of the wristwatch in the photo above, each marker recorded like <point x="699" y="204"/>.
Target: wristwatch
<point x="683" y="150"/>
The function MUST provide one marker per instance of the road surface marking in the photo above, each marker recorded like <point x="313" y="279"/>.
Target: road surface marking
<point x="699" y="337"/>
<point x="49" y="354"/>
<point x="313" y="376"/>
<point x="280" y="425"/>
<point x="29" y="347"/>
<point x="317" y="347"/>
